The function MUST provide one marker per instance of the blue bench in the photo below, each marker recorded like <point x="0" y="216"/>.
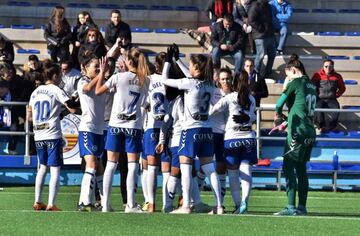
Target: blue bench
<point x="1" y="26"/>
<point x="352" y="33"/>
<point x="354" y="133"/>
<point x="16" y="26"/>
<point x="186" y="8"/>
<point x="108" y="6"/>
<point x="28" y="51"/>
<point x="351" y="107"/>
<point x="18" y="4"/>
<point x="161" y="8"/>
<point x="48" y="4"/>
<point x="338" y="57"/>
<point x="323" y="10"/>
<point x="166" y="31"/>
<point x="349" y="11"/>
<point x="135" y="7"/>
<point x="329" y="33"/>
<point x="140" y="30"/>
<point x="301" y="10"/>
<point x="350" y="82"/>
<point x="79" y="5"/>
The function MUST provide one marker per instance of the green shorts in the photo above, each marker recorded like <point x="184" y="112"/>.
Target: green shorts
<point x="298" y="147"/>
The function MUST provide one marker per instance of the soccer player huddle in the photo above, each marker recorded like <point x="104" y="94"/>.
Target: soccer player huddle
<point x="167" y="119"/>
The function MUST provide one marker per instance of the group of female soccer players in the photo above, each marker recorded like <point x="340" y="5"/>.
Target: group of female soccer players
<point x="171" y="117"/>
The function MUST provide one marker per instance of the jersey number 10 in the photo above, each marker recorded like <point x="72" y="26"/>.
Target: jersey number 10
<point x="42" y="110"/>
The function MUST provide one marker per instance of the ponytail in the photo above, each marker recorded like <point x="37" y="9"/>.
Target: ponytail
<point x="140" y="64"/>
<point x="241" y="85"/>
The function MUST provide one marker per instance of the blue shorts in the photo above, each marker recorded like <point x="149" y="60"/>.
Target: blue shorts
<point x="175" y="161"/>
<point x="50" y="152"/>
<point x="238" y="150"/>
<point x="196" y="142"/>
<point x="91" y="144"/>
<point x="219" y="147"/>
<point x="151" y="140"/>
<point x="124" y="140"/>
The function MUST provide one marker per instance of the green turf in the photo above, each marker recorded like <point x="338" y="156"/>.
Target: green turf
<point x="329" y="214"/>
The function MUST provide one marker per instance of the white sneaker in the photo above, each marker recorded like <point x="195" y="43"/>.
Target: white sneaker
<point x="201" y="208"/>
<point x="135" y="209"/>
<point x="217" y="211"/>
<point x="107" y="209"/>
<point x="181" y="210"/>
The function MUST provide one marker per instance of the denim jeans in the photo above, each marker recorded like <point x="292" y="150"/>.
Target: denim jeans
<point x="237" y="55"/>
<point x="265" y="46"/>
<point x="283" y="35"/>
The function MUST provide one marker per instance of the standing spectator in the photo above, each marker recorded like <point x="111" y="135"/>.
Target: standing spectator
<point x="6" y="51"/>
<point x="241" y="17"/>
<point x="217" y="9"/>
<point x="5" y="112"/>
<point x="115" y="28"/>
<point x="34" y="66"/>
<point x="227" y="38"/>
<point x="329" y="85"/>
<point x="281" y="14"/>
<point x="57" y="34"/>
<point x="94" y="43"/>
<point x="84" y="22"/>
<point x="70" y="77"/>
<point x="260" y="20"/>
<point x="257" y="84"/>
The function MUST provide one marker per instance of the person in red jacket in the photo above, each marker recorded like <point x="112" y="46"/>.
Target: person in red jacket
<point x="330" y="86"/>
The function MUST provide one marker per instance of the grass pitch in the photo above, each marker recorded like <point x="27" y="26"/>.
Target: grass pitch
<point x="329" y="214"/>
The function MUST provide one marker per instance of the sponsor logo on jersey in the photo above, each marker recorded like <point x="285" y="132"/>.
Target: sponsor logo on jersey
<point x="70" y="130"/>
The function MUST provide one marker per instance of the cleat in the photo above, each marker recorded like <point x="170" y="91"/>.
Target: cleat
<point x="52" y="208"/>
<point x="301" y="211"/>
<point x="144" y="206"/>
<point x="135" y="209"/>
<point x="287" y="211"/>
<point x="39" y="206"/>
<point x="201" y="208"/>
<point x="180" y="201"/>
<point x="243" y="208"/>
<point x="181" y="210"/>
<point x="237" y="210"/>
<point x="151" y="208"/>
<point x="217" y="211"/>
<point x="85" y="208"/>
<point x="167" y="209"/>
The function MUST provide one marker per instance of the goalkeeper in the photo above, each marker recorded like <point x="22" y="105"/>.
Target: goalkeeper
<point x="300" y="98"/>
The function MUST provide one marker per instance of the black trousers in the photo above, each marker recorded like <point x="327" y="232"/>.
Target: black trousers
<point x="327" y="120"/>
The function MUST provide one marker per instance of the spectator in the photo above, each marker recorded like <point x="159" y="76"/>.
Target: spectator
<point x="217" y="9"/>
<point x="94" y="43"/>
<point x="5" y="113"/>
<point x="115" y="28"/>
<point x="84" y="22"/>
<point x="70" y="76"/>
<point x="281" y="14"/>
<point x="33" y="66"/>
<point x="6" y="51"/>
<point x="257" y="83"/>
<point x="241" y="17"/>
<point x="57" y="34"/>
<point x="330" y="86"/>
<point x="118" y="51"/>
<point x="227" y="38"/>
<point x="260" y="18"/>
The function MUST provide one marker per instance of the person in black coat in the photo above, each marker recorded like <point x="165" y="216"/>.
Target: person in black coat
<point x="6" y="51"/>
<point x="115" y="27"/>
<point x="241" y="17"/>
<point x="94" y="43"/>
<point x="58" y="35"/>
<point x="227" y="38"/>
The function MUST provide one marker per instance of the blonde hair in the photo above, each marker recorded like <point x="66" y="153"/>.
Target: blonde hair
<point x="139" y="62"/>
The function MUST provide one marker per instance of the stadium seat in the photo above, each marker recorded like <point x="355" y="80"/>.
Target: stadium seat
<point x="141" y="30"/>
<point x="338" y="57"/>
<point x="14" y="26"/>
<point x="280" y="81"/>
<point x="161" y="8"/>
<point x="354" y="134"/>
<point x="301" y="10"/>
<point x="302" y="33"/>
<point x="166" y="31"/>
<point x="323" y="10"/>
<point x="356" y="57"/>
<point x="329" y="33"/>
<point x="135" y="7"/>
<point x="352" y="33"/>
<point x="79" y="5"/>
<point x="349" y="11"/>
<point x="102" y="29"/>
<point x="19" y="4"/>
<point x="48" y="4"/>
<point x="350" y="82"/>
<point x="319" y="166"/>
<point x="186" y="8"/>
<point x="351" y="107"/>
<point x="108" y="6"/>
<point x="28" y="51"/>
<point x="1" y="26"/>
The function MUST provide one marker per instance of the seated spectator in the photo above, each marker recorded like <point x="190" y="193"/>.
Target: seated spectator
<point x="260" y="19"/>
<point x="257" y="83"/>
<point x="241" y="17"/>
<point x="84" y="22"/>
<point x="33" y="66"/>
<point x="330" y="86"/>
<point x="115" y="28"/>
<point x="227" y="38"/>
<point x="70" y="76"/>
<point x="5" y="112"/>
<point x="217" y="9"/>
<point x="281" y="14"/>
<point x="94" y="43"/>
<point x="6" y="51"/>
<point x="57" y="34"/>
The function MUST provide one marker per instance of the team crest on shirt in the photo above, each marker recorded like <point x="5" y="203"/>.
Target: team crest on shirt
<point x="70" y="130"/>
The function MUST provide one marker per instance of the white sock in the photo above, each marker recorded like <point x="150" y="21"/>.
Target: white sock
<point x="99" y="181"/>
<point x="87" y="186"/>
<point x="165" y="193"/>
<point x="107" y="183"/>
<point x="195" y="192"/>
<point x="151" y="182"/>
<point x="234" y="183"/>
<point x="210" y="172"/>
<point x="246" y="180"/>
<point x="131" y="182"/>
<point x="222" y="179"/>
<point x="53" y="184"/>
<point x="201" y="179"/>
<point x="144" y="184"/>
<point x="186" y="183"/>
<point x="171" y="186"/>
<point x="39" y="182"/>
